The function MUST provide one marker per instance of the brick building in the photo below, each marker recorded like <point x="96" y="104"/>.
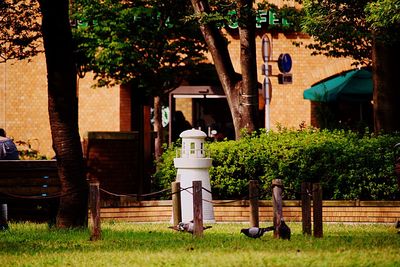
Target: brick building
<point x="23" y="93"/>
<point x="287" y="106"/>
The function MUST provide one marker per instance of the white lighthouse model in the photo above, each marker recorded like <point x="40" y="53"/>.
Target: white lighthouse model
<point x="192" y="165"/>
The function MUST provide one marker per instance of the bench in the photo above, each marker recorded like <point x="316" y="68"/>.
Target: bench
<point x="30" y="189"/>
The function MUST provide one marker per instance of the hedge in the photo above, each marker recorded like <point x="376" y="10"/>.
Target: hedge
<point x="347" y="165"/>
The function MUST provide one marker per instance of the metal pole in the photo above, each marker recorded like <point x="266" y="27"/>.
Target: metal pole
<point x="267" y="100"/>
<point x="266" y="54"/>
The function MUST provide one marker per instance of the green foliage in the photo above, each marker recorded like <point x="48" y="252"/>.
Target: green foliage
<point x="145" y="42"/>
<point x="344" y="28"/>
<point x="166" y="172"/>
<point x="384" y="13"/>
<point x="27" y="152"/>
<point x="384" y="17"/>
<point x="20" y="31"/>
<point x="349" y="166"/>
<point x="339" y="29"/>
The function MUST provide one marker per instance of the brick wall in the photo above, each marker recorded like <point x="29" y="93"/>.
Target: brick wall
<point x="228" y="211"/>
<point x="125" y="117"/>
<point x="113" y="160"/>
<point x="23" y="104"/>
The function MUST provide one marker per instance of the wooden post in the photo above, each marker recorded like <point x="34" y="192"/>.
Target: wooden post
<point x="94" y="201"/>
<point x="306" y="190"/>
<point x="197" y="209"/>
<point x="253" y="195"/>
<point x="277" y="186"/>
<point x="176" y="202"/>
<point x="317" y="210"/>
<point x="3" y="217"/>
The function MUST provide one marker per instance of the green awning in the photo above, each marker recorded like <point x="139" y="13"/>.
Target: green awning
<point x="353" y="85"/>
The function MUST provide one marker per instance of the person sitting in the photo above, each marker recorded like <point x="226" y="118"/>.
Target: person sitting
<point x="179" y="125"/>
<point x="8" y="150"/>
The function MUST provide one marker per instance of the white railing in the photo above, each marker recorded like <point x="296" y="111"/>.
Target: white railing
<point x="192" y="153"/>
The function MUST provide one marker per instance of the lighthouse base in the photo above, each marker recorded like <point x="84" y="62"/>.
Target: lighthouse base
<point x="186" y="178"/>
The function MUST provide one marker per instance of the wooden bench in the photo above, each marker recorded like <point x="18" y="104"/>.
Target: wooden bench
<point x="30" y="188"/>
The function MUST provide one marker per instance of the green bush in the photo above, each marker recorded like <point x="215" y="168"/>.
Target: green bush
<point x="27" y="152"/>
<point x="349" y="166"/>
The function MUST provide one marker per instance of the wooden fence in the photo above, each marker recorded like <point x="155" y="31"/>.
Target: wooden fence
<point x="238" y="211"/>
<point x="36" y="179"/>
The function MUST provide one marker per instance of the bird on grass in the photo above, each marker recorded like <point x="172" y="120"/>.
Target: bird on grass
<point x="256" y="232"/>
<point x="284" y="230"/>
<point x="186" y="227"/>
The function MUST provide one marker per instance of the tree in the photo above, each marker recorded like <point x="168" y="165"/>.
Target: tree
<point x="63" y="112"/>
<point x="241" y="90"/>
<point x="21" y="37"/>
<point x="144" y="44"/>
<point x="369" y="33"/>
<point x="384" y="14"/>
<point x="384" y="20"/>
<point x="20" y="33"/>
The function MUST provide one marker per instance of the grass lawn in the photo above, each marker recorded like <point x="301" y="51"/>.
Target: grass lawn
<point x="128" y="244"/>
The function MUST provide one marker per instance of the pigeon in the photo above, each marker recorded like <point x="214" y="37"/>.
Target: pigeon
<point x="3" y="227"/>
<point x="186" y="227"/>
<point x="256" y="232"/>
<point x="284" y="230"/>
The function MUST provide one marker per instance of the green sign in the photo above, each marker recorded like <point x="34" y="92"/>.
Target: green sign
<point x="263" y="17"/>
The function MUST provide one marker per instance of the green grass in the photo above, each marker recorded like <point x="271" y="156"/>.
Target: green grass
<point x="128" y="244"/>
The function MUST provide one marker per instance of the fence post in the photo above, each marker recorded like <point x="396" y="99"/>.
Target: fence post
<point x="197" y="209"/>
<point x="317" y="210"/>
<point x="253" y="202"/>
<point x="3" y="217"/>
<point x="277" y="186"/>
<point x="176" y="202"/>
<point x="94" y="197"/>
<point x="306" y="190"/>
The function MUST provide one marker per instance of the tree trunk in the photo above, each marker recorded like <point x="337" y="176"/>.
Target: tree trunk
<point x="249" y="91"/>
<point x="241" y="92"/>
<point x="386" y="96"/>
<point x="63" y="113"/>
<point x="158" y="127"/>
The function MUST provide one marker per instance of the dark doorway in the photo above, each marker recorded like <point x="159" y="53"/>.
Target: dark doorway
<point x="210" y="111"/>
<point x="212" y="116"/>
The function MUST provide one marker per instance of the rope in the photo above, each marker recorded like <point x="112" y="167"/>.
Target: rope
<point x="133" y="195"/>
<point x="59" y="194"/>
<point x="56" y="195"/>
<point x="231" y="201"/>
<point x="142" y="195"/>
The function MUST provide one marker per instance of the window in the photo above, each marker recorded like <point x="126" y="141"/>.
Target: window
<point x="192" y="148"/>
